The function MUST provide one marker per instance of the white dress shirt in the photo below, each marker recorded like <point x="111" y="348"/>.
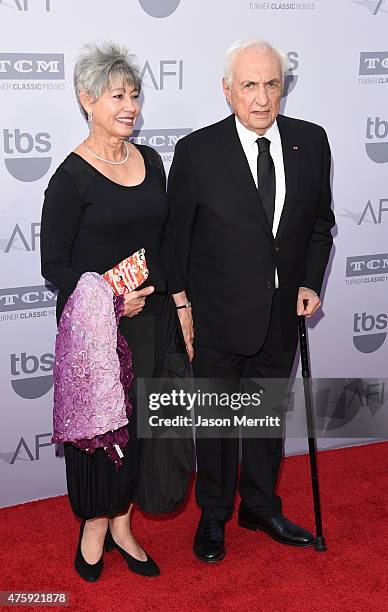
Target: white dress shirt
<point x="251" y="150"/>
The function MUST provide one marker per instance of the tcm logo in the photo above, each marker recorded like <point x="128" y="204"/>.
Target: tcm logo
<point x="367" y="265"/>
<point x="162" y="140"/>
<point x="30" y="377"/>
<point x="167" y="72"/>
<point x="373" y="62"/>
<point x="368" y="331"/>
<point x="374" y="6"/>
<point x="291" y="78"/>
<point x="377" y="129"/>
<point x="18" y="147"/>
<point x="22" y="241"/>
<point x="24" y="5"/>
<point x="156" y="8"/>
<point x="25" y="298"/>
<point x="36" y="66"/>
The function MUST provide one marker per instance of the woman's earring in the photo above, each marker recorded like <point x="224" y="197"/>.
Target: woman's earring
<point x="90" y="120"/>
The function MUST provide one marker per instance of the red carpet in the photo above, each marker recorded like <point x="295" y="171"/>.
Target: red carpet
<point x="38" y="542"/>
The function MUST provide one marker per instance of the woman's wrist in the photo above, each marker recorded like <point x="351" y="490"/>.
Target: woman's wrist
<point x="180" y="300"/>
<point x="187" y="304"/>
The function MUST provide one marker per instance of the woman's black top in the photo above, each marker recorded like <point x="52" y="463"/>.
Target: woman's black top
<point x="90" y="223"/>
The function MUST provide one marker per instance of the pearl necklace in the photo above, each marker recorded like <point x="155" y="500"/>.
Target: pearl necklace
<point x="108" y="161"/>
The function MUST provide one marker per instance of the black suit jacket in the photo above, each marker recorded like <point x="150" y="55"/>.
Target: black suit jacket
<point x="224" y="245"/>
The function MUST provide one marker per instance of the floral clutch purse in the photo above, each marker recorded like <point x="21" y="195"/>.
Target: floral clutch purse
<point x="128" y="274"/>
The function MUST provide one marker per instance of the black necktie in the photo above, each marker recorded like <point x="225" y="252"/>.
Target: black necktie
<point x="266" y="178"/>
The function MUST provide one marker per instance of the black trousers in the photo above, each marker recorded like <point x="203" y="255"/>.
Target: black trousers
<point x="217" y="458"/>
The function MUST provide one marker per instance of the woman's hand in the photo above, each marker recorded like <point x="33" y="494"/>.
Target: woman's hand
<point x="134" y="301"/>
<point x="186" y="321"/>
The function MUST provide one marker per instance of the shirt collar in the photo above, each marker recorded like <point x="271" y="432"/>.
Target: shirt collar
<point x="247" y="137"/>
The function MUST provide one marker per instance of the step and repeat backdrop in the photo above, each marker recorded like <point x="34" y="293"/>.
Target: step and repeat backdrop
<point x="338" y="52"/>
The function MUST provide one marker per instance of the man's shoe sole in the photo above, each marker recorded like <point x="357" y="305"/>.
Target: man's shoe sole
<point x="253" y="527"/>
<point x="209" y="561"/>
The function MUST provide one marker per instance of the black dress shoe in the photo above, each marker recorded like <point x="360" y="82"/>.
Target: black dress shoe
<point x="278" y="527"/>
<point x="209" y="541"/>
<point x="87" y="571"/>
<point x="144" y="568"/>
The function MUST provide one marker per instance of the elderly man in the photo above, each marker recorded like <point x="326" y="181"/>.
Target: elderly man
<point x="250" y="210"/>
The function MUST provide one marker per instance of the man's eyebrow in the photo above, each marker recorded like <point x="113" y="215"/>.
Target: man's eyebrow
<point x="246" y="81"/>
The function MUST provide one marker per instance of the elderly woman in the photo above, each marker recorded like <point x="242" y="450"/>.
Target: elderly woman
<point x="104" y="202"/>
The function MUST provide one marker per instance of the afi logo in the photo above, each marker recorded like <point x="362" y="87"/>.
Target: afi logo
<point x="373" y="214"/>
<point x="172" y="70"/>
<point x="23" y="5"/>
<point x="374" y="6"/>
<point x="291" y="78"/>
<point x="377" y="129"/>
<point x="23" y="241"/>
<point x="33" y="384"/>
<point x="17" y="147"/>
<point x="368" y="331"/>
<point x="32" y="450"/>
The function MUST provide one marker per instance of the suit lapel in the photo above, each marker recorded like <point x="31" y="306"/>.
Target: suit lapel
<point x="291" y="161"/>
<point x="238" y="167"/>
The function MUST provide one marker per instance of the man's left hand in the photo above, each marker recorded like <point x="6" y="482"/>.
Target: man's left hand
<point x="308" y="302"/>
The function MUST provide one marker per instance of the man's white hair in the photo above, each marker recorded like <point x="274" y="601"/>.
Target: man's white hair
<point x="255" y="43"/>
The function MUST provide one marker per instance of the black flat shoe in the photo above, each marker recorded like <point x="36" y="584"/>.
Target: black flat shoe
<point x="278" y="527"/>
<point x="209" y="541"/>
<point x="87" y="571"/>
<point x="144" y="568"/>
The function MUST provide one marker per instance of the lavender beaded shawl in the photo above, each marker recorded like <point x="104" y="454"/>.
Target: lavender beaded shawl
<point x="92" y="371"/>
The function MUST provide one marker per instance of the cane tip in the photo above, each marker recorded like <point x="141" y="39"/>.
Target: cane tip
<point x="320" y="544"/>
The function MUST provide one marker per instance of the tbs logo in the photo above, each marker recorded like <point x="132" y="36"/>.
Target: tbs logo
<point x="18" y="146"/>
<point x="30" y="374"/>
<point x="156" y="8"/>
<point x="369" y="334"/>
<point x="377" y="129"/>
<point x="291" y="78"/>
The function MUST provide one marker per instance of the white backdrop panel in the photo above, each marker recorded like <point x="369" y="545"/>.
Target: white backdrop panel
<point x="182" y="52"/>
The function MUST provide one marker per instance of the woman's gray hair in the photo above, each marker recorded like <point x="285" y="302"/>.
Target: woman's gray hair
<point x="255" y="43"/>
<point x="98" y="65"/>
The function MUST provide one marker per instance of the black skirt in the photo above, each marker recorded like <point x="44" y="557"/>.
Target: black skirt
<point x="95" y="487"/>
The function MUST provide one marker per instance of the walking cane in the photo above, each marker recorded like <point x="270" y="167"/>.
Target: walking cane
<point x="319" y="543"/>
